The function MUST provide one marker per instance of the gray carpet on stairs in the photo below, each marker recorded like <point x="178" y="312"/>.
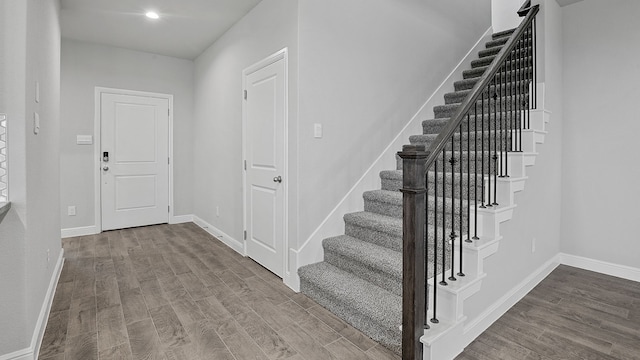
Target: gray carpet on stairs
<point x="360" y="279"/>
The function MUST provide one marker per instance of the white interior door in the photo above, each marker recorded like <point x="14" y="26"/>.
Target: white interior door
<point x="265" y="155"/>
<point x="135" y="171"/>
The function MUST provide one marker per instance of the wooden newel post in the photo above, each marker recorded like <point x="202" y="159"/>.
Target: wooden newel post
<point x="414" y="159"/>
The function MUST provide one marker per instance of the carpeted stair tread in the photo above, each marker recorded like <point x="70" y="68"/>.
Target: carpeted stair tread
<point x="502" y="34"/>
<point x="381" y="223"/>
<point x="503" y="103"/>
<point x="502" y="89"/>
<point x="472" y="78"/>
<point x="487" y="60"/>
<point x="376" y="264"/>
<point x="364" y="305"/>
<point x="434" y="126"/>
<point x="497" y="42"/>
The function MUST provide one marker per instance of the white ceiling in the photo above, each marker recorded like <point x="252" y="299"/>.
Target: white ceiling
<point x="566" y="2"/>
<point x="185" y="28"/>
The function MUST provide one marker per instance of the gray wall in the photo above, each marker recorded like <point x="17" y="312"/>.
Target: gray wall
<point x="85" y="66"/>
<point x="31" y="51"/>
<point x="601" y="122"/>
<point x="271" y="26"/>
<point x="366" y="67"/>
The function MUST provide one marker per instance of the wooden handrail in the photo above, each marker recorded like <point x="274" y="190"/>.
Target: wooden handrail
<point x="454" y="123"/>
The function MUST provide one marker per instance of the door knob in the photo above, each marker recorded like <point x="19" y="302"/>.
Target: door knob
<point x="277" y="179"/>
<point x="105" y="168"/>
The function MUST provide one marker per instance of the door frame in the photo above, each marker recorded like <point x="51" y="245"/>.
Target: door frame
<point x="97" y="137"/>
<point x="271" y="59"/>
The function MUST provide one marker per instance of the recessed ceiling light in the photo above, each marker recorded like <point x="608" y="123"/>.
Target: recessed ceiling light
<point x="152" y="15"/>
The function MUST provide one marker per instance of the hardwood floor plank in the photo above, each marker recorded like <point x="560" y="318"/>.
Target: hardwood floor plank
<point x="243" y="347"/>
<point x="111" y="327"/>
<point x="153" y="294"/>
<point x="213" y="309"/>
<point x="107" y="292"/>
<point x="144" y="341"/>
<point x="187" y="311"/>
<point x="169" y="327"/>
<point x="173" y="288"/>
<point x="63" y="296"/>
<point x="305" y="344"/>
<point x="204" y="338"/>
<point x="133" y="305"/>
<point x="82" y="347"/>
<point x="55" y="335"/>
<point x="82" y="316"/>
<point x="194" y="286"/>
<point x="343" y="349"/>
<point x="380" y="352"/>
<point x="270" y="342"/>
<point x="125" y="273"/>
<point x="120" y="352"/>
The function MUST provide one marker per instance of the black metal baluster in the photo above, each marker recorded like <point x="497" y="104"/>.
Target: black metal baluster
<point x="490" y="96"/>
<point x="508" y="142"/>
<point x="481" y="150"/>
<point x="502" y="89"/>
<point x="520" y="96"/>
<point x="444" y="219"/>
<point x="435" y="242"/>
<point x="452" y="235"/>
<point x="460" y="273"/>
<point x="468" y="239"/>
<point x="529" y="68"/>
<point x="535" y="64"/>
<point x="475" y="177"/>
<point x="426" y="249"/>
<point x="495" y="144"/>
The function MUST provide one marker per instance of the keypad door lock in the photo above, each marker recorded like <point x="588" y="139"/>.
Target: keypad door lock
<point x="105" y="156"/>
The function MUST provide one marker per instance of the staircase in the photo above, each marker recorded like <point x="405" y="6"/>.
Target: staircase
<point x="360" y="279"/>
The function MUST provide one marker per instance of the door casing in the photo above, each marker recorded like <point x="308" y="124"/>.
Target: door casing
<point x="280" y="55"/>
<point x="97" y="145"/>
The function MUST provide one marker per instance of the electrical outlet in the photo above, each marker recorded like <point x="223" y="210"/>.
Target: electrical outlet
<point x="218" y="211"/>
<point x="533" y="245"/>
<point x="71" y="211"/>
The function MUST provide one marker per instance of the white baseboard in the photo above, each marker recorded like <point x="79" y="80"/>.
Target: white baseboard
<point x="79" y="231"/>
<point x="181" y="219"/>
<point x="236" y="245"/>
<point x="24" y="354"/>
<point x="31" y="353"/>
<point x="603" y="267"/>
<point x="476" y="327"/>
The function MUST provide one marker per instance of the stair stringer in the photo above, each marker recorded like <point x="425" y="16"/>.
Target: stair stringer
<point x="446" y="339"/>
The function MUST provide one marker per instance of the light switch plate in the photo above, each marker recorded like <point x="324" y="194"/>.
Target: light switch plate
<point x="317" y="131"/>
<point x="36" y="123"/>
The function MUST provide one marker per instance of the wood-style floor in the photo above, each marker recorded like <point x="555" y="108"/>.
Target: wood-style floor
<point x="175" y="292"/>
<point x="572" y="314"/>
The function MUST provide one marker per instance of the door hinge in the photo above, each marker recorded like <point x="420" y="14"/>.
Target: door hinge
<point x="245" y="94"/>
<point x="245" y="165"/>
<point x="168" y="112"/>
<point x="245" y="234"/>
<point x="168" y="208"/>
<point x="168" y="161"/>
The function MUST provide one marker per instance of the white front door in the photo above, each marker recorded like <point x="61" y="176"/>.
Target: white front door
<point x="265" y="164"/>
<point x="134" y="168"/>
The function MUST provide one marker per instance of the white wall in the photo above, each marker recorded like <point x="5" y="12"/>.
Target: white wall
<point x="600" y="172"/>
<point x="31" y="53"/>
<point x="85" y="66"/>
<point x="217" y="179"/>
<point x="504" y="14"/>
<point x="366" y="67"/>
<point x="538" y="212"/>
